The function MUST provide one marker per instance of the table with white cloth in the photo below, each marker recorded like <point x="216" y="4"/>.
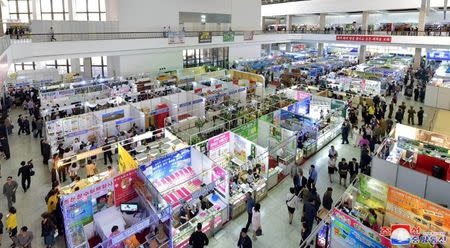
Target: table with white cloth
<point x="106" y="219"/>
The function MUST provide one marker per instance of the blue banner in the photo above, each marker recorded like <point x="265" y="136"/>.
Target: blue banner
<point x="168" y="164"/>
<point x="438" y="55"/>
<point x="345" y="234"/>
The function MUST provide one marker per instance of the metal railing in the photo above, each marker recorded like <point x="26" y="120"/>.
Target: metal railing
<point x="47" y="37"/>
<point x="5" y="42"/>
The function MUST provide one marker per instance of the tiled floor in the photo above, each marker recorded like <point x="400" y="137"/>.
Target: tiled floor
<point x="277" y="231"/>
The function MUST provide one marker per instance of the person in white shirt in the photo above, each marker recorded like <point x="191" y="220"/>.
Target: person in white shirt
<point x="111" y="172"/>
<point x="291" y="202"/>
<point x="256" y="219"/>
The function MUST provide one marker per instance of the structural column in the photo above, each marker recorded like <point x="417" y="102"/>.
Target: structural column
<point x="425" y="4"/>
<point x="70" y="8"/>
<point x="362" y="54"/>
<point x="75" y="65"/>
<point x="87" y="64"/>
<point x="34" y="9"/>
<point x="365" y="22"/>
<point x="263" y="23"/>
<point x="322" y="20"/>
<point x="288" y="22"/>
<point x="277" y="22"/>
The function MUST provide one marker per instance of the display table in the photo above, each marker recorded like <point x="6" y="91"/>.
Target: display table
<point x="106" y="219"/>
<point x="272" y="178"/>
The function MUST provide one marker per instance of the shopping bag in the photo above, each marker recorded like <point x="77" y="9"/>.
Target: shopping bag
<point x="259" y="232"/>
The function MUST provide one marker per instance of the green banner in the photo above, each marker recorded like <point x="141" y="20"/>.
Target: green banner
<point x="248" y="130"/>
<point x="228" y="36"/>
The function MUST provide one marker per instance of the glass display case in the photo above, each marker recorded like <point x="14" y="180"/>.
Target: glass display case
<point x="260" y="189"/>
<point x="181" y="234"/>
<point x="237" y="203"/>
<point x="272" y="177"/>
<point x="329" y="132"/>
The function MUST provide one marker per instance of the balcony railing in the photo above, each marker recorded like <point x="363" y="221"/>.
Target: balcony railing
<point x="47" y="37"/>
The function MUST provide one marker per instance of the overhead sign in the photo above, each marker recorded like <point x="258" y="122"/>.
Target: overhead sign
<point x="248" y="35"/>
<point x="364" y="38"/>
<point x="205" y="37"/>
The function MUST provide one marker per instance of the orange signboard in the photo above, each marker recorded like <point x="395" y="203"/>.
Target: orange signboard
<point x="418" y="210"/>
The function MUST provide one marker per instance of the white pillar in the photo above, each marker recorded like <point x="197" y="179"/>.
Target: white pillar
<point x="112" y="10"/>
<point x="362" y="54"/>
<point x="320" y="49"/>
<point x="34" y="9"/>
<point x="75" y="65"/>
<point x="70" y="9"/>
<point x="322" y="20"/>
<point x="417" y="57"/>
<point x="87" y="64"/>
<point x="277" y="22"/>
<point x="288" y="21"/>
<point x="365" y="22"/>
<point x="113" y="66"/>
<point x="425" y="4"/>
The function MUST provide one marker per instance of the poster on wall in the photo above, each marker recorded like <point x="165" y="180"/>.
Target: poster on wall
<point x="176" y="37"/>
<point x="248" y="35"/>
<point x="240" y="148"/>
<point x="228" y="36"/>
<point x="119" y="114"/>
<point x="79" y="213"/>
<point x="218" y="141"/>
<point x="205" y="37"/>
<point x="125" y="162"/>
<point x="373" y="193"/>
<point x="123" y="188"/>
<point x="413" y="208"/>
<point x="170" y="163"/>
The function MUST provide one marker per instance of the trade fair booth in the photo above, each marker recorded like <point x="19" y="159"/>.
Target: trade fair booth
<point x="415" y="160"/>
<point x="196" y="189"/>
<point x="216" y="92"/>
<point x="351" y="223"/>
<point x="93" y="127"/>
<point x="438" y="90"/>
<point x="254" y="83"/>
<point x="125" y="201"/>
<point x="246" y="164"/>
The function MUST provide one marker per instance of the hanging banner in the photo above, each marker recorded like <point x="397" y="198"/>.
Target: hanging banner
<point x="218" y="141"/>
<point x="176" y="37"/>
<point x="123" y="189"/>
<point x="365" y="38"/>
<point x="205" y="37"/>
<point x="126" y="161"/>
<point x="228" y="36"/>
<point x="169" y="164"/>
<point x="248" y="35"/>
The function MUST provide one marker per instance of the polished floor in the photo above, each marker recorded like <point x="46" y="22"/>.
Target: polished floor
<point x="277" y="231"/>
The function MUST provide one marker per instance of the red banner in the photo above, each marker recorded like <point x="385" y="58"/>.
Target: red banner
<point x="365" y="38"/>
<point x="123" y="187"/>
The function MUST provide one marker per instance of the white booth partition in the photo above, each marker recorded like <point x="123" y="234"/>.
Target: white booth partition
<point x="121" y="118"/>
<point x="184" y="105"/>
<point x="85" y="128"/>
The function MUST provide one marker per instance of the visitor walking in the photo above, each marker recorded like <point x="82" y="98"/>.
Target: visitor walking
<point x="291" y="202"/>
<point x="48" y="230"/>
<point x="343" y="170"/>
<point x="11" y="225"/>
<point x="24" y="238"/>
<point x="244" y="240"/>
<point x="327" y="200"/>
<point x="411" y="113"/>
<point x="256" y="220"/>
<point x="250" y="204"/>
<point x="9" y="190"/>
<point x="420" y="116"/>
<point x="26" y="171"/>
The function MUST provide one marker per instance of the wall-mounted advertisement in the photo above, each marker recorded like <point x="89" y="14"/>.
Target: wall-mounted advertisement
<point x="169" y="164"/>
<point x="205" y="37"/>
<point x="438" y="55"/>
<point x="373" y="193"/>
<point x="228" y="36"/>
<point x="123" y="189"/>
<point x="119" y="114"/>
<point x="248" y="35"/>
<point x="176" y="37"/>
<point x="240" y="148"/>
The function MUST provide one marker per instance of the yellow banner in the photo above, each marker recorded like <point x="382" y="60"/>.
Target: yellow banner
<point x="126" y="161"/>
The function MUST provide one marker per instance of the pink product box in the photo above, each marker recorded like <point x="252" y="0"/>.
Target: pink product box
<point x="185" y="191"/>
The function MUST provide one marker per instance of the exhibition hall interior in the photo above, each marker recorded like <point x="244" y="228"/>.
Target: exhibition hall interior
<point x="224" y="123"/>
